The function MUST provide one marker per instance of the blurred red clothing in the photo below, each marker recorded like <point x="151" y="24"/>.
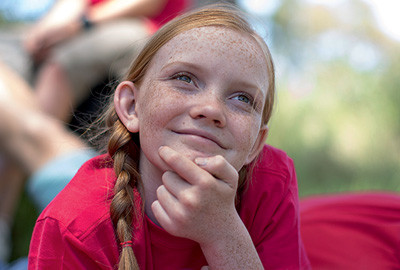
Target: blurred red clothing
<point x="352" y="231"/>
<point x="171" y="9"/>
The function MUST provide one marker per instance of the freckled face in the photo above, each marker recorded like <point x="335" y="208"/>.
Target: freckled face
<point x="203" y="95"/>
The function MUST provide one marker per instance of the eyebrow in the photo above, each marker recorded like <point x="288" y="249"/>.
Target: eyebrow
<point x="183" y="63"/>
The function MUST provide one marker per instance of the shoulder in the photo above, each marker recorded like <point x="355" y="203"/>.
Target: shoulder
<point x="269" y="210"/>
<point x="274" y="160"/>
<point x="273" y="168"/>
<point x="271" y="184"/>
<point x="85" y="201"/>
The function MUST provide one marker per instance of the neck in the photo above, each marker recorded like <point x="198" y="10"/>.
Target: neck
<point x="151" y="180"/>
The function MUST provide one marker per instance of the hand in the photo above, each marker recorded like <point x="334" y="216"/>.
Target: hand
<point x="197" y="199"/>
<point x="42" y="39"/>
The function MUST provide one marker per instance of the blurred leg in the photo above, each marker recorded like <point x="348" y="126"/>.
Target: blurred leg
<point x="28" y="140"/>
<point x="28" y="135"/>
<point x="54" y="92"/>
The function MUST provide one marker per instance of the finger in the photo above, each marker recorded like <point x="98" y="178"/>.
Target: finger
<point x="163" y="207"/>
<point x="166" y="199"/>
<point x="220" y="168"/>
<point x="161" y="215"/>
<point x="184" y="167"/>
<point x="174" y="183"/>
<point x="167" y="210"/>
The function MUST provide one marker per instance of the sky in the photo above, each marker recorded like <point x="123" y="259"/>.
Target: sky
<point x="386" y="11"/>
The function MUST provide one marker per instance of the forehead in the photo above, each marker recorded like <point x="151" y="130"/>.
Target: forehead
<point x="219" y="47"/>
<point x="217" y="39"/>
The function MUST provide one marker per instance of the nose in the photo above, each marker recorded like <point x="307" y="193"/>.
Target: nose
<point x="209" y="108"/>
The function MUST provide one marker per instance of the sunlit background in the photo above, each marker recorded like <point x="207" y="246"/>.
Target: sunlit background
<point x="338" y="67"/>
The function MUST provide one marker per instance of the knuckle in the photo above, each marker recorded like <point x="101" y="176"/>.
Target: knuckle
<point x="189" y="200"/>
<point x="219" y="161"/>
<point x="235" y="175"/>
<point x="206" y="183"/>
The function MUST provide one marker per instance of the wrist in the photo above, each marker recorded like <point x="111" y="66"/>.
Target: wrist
<point x="86" y="23"/>
<point x="234" y="249"/>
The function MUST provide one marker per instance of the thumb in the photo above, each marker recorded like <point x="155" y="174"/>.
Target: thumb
<point x="205" y="268"/>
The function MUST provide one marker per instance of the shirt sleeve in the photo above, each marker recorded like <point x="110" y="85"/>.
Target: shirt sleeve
<point x="54" y="247"/>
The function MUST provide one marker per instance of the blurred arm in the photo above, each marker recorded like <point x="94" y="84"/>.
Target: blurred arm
<point x="113" y="9"/>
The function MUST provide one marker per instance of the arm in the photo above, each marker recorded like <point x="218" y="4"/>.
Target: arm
<point x="235" y="250"/>
<point x="114" y="9"/>
<point x="196" y="201"/>
<point x="61" y="23"/>
<point x="64" y="20"/>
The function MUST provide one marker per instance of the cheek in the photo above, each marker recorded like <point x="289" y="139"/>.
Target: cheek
<point x="247" y="130"/>
<point x="157" y="106"/>
<point x="246" y="133"/>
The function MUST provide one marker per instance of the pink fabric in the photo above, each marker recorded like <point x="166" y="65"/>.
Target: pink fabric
<point x="352" y="231"/>
<point x="94" y="2"/>
<point x="172" y="9"/>
<point x="75" y="230"/>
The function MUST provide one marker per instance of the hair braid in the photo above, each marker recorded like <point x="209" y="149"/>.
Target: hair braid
<point x="122" y="207"/>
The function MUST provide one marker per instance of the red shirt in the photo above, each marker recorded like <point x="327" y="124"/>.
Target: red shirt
<point x="75" y="230"/>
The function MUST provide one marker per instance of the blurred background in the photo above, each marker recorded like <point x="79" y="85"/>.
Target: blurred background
<point x="337" y="112"/>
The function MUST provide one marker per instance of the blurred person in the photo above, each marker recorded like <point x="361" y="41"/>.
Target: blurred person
<point x="80" y="42"/>
<point x="16" y="18"/>
<point x="33" y="146"/>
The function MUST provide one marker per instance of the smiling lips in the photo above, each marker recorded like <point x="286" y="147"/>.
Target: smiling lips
<point x="202" y="134"/>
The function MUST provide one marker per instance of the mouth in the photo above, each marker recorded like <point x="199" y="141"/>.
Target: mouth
<point x="202" y="135"/>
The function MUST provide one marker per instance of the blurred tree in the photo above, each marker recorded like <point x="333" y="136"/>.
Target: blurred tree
<point x="338" y="95"/>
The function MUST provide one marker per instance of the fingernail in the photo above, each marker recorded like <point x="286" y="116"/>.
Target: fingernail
<point x="201" y="161"/>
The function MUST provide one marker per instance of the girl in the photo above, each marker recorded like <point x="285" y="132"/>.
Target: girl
<point x="174" y="191"/>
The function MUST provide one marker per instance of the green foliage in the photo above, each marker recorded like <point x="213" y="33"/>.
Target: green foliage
<point x="25" y="218"/>
<point x="342" y="132"/>
<point x="337" y="113"/>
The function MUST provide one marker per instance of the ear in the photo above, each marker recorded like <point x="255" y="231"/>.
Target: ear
<point x="125" y="105"/>
<point x="258" y="145"/>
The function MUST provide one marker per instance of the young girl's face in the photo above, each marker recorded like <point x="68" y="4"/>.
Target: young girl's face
<point x="203" y="95"/>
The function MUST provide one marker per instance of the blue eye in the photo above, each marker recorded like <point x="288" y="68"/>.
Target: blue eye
<point x="183" y="77"/>
<point x="245" y="98"/>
